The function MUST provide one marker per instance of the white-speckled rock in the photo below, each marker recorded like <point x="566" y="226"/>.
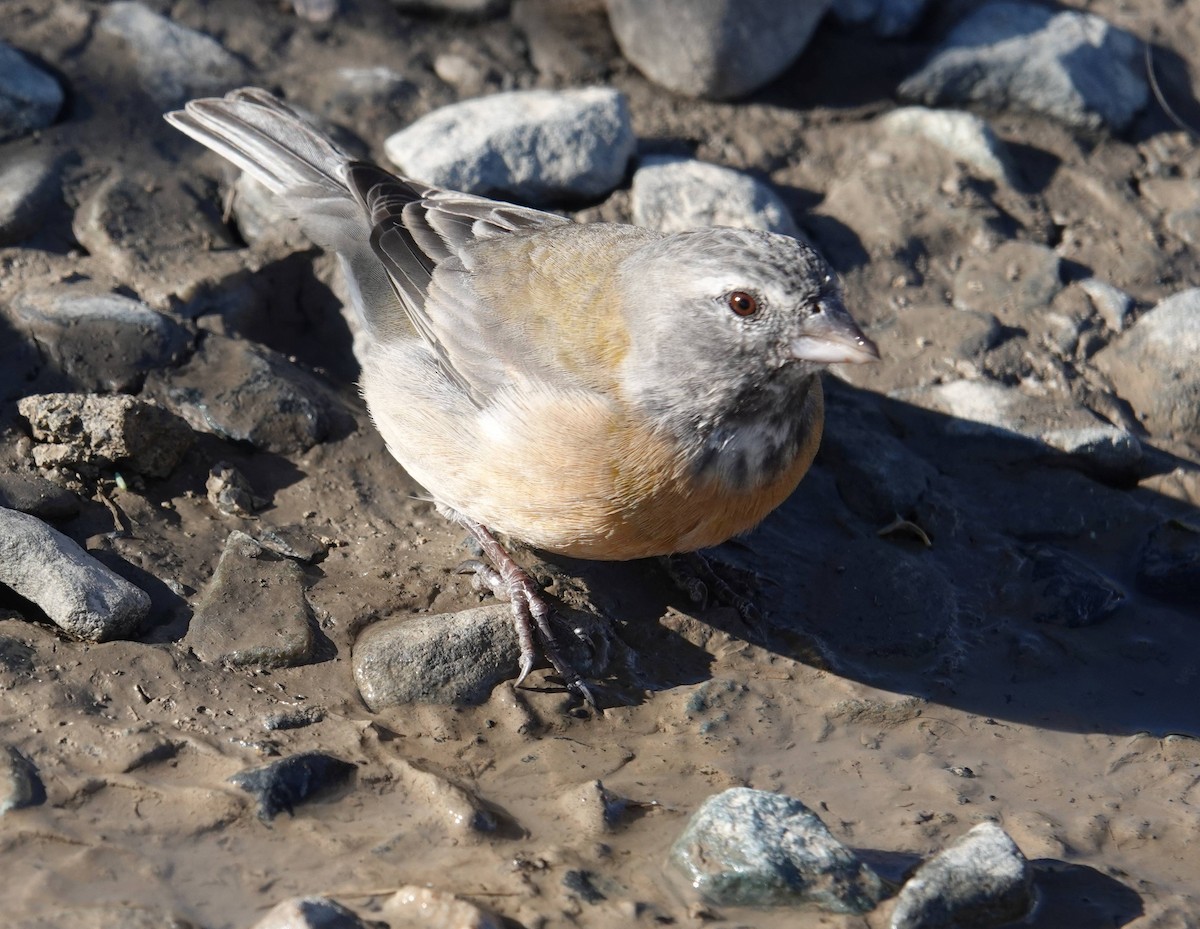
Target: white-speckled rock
<point x="748" y="847"/>
<point x="533" y="145"/>
<point x="1153" y="364"/>
<point x="673" y="194"/>
<point x="964" y="135"/>
<point x="1072" y="66"/>
<point x="982" y="880"/>
<point x="980" y="407"/>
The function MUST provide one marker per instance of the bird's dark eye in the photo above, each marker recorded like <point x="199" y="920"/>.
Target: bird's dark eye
<point x="742" y="303"/>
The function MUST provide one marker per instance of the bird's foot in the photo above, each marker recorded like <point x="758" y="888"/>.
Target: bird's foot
<point x="695" y="575"/>
<point x="531" y="612"/>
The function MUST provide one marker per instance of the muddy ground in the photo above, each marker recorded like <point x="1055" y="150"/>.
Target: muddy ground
<point x="905" y="691"/>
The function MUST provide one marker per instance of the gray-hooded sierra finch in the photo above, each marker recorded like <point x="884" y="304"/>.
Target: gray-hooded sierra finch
<point x="599" y="391"/>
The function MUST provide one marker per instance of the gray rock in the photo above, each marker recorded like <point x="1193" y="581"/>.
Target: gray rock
<point x="173" y="62"/>
<point x="1153" y="364"/>
<point x="78" y="593"/>
<point x="315" y="11"/>
<point x="91" y="431"/>
<point x="981" y="880"/>
<point x="1112" y="303"/>
<point x="533" y="145"/>
<point x="691" y="46"/>
<point x="33" y="494"/>
<point x="906" y="620"/>
<point x="673" y="194"/>
<point x="230" y="493"/>
<point x="567" y="43"/>
<point x="253" y="612"/>
<point x="455" y="658"/>
<point x="1065" y="591"/>
<point x="294" y="542"/>
<point x="283" y="785"/>
<point x="29" y="97"/>
<point x="1169" y="563"/>
<point x="29" y="188"/>
<point x="98" y="341"/>
<point x="748" y="847"/>
<point x="20" y="785"/>
<point x="593" y="807"/>
<point x="294" y="719"/>
<point x="888" y="19"/>
<point x="964" y="135"/>
<point x="1072" y="66"/>
<point x="1012" y="281"/>
<point x="309" y="913"/>
<point x="979" y="408"/>
<point x="878" y="475"/>
<point x="150" y="233"/>
<point x="247" y="393"/>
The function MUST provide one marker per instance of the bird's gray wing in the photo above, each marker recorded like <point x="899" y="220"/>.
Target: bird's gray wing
<point x="428" y="240"/>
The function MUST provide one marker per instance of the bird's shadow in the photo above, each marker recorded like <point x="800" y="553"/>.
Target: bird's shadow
<point x="976" y="568"/>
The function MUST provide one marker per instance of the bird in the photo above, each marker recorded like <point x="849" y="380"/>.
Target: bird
<point x="595" y="390"/>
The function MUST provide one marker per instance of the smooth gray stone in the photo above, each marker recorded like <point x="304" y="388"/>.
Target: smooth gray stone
<point x="29" y="97"/>
<point x="173" y="63"/>
<point x="71" y="587"/>
<point x="1072" y="66"/>
<point x="982" y="880"/>
<point x="748" y="847"/>
<point x="108" y="432"/>
<point x="253" y="612"/>
<point x="99" y="341"/>
<point x="536" y="146"/>
<point x="717" y="49"/>
<point x="674" y="194"/>
<point x="1153" y="364"/>
<point x="455" y="658"/>
<point x="29" y="188"/>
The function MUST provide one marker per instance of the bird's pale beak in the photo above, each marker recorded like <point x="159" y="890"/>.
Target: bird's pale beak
<point x="832" y="337"/>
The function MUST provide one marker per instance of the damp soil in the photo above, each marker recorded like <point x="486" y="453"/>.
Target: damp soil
<point x="918" y="674"/>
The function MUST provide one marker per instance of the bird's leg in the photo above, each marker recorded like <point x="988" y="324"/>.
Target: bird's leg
<point x="694" y="573"/>
<point x="508" y="580"/>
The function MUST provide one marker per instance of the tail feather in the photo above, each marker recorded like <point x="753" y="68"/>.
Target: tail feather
<point x="269" y="141"/>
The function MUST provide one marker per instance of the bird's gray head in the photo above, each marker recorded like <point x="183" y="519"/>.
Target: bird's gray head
<point x="725" y="318"/>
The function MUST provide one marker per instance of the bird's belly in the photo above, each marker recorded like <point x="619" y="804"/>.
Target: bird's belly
<point x="571" y="474"/>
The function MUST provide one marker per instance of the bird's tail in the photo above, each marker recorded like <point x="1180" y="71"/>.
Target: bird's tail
<point x="268" y="140"/>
